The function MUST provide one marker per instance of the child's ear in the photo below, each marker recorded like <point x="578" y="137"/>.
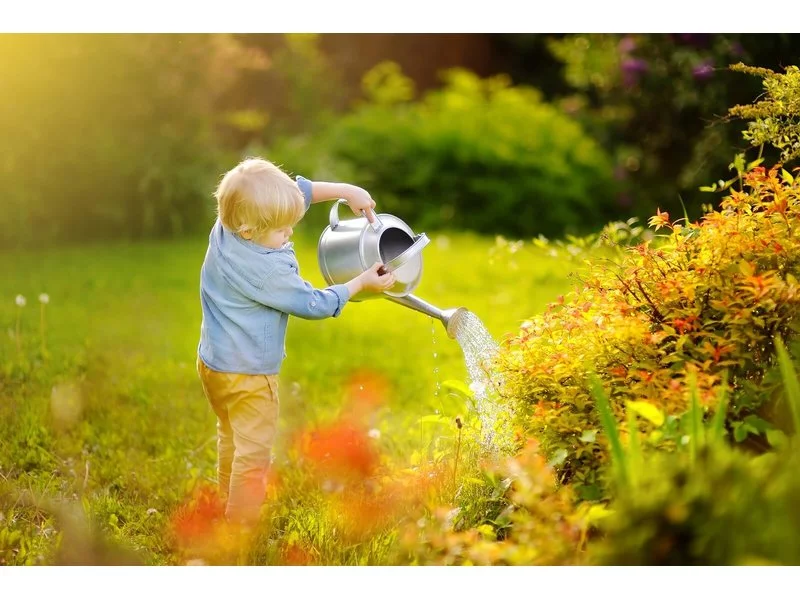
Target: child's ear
<point x="247" y="234"/>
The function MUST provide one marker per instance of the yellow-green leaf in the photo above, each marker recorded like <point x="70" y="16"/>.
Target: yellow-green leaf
<point x="647" y="411"/>
<point x="745" y="268"/>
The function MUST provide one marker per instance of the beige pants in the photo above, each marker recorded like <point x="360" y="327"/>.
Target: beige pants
<point x="247" y="417"/>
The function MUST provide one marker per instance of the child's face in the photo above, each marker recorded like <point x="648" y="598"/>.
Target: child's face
<point x="275" y="238"/>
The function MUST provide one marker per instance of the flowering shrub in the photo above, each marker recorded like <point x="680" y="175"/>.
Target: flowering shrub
<point x="707" y="298"/>
<point x="774" y="119"/>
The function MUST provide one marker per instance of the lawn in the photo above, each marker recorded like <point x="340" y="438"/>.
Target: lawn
<point x="103" y="415"/>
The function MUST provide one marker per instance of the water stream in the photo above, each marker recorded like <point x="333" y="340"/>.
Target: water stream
<point x="479" y="348"/>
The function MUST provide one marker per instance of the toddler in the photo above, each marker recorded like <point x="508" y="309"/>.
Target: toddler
<point x="249" y="285"/>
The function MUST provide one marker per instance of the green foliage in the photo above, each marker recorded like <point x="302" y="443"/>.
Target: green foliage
<point x="724" y="508"/>
<point x="110" y="136"/>
<point x="665" y="317"/>
<point x="775" y="120"/>
<point x="476" y="154"/>
<point x="653" y="101"/>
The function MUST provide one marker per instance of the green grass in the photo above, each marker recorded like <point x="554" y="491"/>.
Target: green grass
<point x="121" y="335"/>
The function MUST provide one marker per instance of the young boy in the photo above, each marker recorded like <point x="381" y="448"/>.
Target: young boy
<point x="249" y="285"/>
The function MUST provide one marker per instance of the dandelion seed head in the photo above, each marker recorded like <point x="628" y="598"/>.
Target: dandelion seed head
<point x="20" y="300"/>
<point x="44" y="298"/>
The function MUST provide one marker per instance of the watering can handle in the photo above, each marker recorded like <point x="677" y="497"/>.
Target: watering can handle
<point x="334" y="216"/>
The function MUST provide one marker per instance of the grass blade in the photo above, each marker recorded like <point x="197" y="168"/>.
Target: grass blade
<point x="718" y="424"/>
<point x="695" y="418"/>
<point x="610" y="426"/>
<point x="790" y="383"/>
<point x="634" y="447"/>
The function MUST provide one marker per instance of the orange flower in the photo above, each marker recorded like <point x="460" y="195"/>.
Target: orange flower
<point x="661" y="219"/>
<point x="196" y="520"/>
<point x="341" y="450"/>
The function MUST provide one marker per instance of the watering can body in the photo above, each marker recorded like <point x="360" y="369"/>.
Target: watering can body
<point x="347" y="248"/>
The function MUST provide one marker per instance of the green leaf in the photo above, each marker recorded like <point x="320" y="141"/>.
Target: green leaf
<point x="739" y="431"/>
<point x="758" y="424"/>
<point x="646" y="411"/>
<point x="776" y="438"/>
<point x="589" y="436"/>
<point x="589" y="492"/>
<point x="459" y="387"/>
<point x="559" y="456"/>
<point x="610" y="426"/>
<point x="786" y="176"/>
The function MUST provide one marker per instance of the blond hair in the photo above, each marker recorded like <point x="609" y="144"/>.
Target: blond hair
<point x="256" y="196"/>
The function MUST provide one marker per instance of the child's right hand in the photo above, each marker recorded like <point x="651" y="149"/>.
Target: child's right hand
<point x="372" y="281"/>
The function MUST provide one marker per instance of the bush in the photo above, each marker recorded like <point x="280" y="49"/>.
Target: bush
<point x="477" y="154"/>
<point x="709" y="297"/>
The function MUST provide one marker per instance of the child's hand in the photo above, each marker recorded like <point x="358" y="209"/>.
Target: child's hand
<point x="371" y="281"/>
<point x="358" y="199"/>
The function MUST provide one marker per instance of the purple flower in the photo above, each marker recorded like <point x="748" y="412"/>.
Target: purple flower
<point x="632" y="68"/>
<point x="703" y="70"/>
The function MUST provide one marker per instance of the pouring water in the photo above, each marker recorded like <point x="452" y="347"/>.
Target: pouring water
<point x="347" y="248"/>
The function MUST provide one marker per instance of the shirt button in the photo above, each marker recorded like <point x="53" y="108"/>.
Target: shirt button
<point x="313" y="304"/>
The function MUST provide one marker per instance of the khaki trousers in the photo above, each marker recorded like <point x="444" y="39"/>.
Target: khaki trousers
<point x="247" y="417"/>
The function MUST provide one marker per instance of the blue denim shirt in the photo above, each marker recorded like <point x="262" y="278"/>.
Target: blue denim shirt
<point x="247" y="293"/>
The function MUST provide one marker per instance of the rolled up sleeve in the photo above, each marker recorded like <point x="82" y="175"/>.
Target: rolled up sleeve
<point x="305" y="187"/>
<point x="286" y="291"/>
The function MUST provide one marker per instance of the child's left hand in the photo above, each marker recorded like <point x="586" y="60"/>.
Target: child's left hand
<point x="358" y="199"/>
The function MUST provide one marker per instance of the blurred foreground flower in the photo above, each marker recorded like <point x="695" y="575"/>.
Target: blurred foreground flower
<point x="201" y="531"/>
<point x="367" y="390"/>
<point x="341" y="450"/>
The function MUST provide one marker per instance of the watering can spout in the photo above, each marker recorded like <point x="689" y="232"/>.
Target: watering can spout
<point x="449" y="317"/>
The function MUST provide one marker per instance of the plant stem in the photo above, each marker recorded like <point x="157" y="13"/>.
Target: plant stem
<point x="455" y="465"/>
<point x="42" y="330"/>
<point x="19" y="337"/>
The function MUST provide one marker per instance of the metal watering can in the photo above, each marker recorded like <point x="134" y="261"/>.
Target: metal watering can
<point x="347" y="248"/>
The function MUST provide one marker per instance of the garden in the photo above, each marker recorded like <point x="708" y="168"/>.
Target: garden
<point x="624" y="390"/>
